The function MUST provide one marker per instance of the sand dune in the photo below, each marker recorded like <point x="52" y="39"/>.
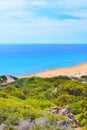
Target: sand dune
<point x="76" y="71"/>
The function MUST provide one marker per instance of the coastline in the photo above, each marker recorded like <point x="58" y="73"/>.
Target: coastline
<point x="71" y="71"/>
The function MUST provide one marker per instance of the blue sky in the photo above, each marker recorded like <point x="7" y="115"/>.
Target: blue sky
<point x="43" y="21"/>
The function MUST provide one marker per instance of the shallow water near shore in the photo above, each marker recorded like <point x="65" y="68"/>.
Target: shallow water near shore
<point x="23" y="59"/>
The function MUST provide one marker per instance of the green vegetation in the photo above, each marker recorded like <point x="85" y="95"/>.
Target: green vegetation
<point x="30" y="98"/>
<point x="2" y="78"/>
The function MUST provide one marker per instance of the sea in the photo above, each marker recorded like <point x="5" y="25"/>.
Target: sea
<point x="24" y="59"/>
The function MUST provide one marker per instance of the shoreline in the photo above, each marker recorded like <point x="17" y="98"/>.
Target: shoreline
<point x="71" y="71"/>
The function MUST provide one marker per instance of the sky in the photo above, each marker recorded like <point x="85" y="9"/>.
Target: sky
<point x="43" y="21"/>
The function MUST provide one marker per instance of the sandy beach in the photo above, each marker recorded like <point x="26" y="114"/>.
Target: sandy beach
<point x="72" y="71"/>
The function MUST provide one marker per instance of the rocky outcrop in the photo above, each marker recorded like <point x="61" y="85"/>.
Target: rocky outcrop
<point x="66" y="111"/>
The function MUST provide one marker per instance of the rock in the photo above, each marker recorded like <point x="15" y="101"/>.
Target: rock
<point x="2" y="126"/>
<point x="64" y="125"/>
<point x="41" y="121"/>
<point x="55" y="90"/>
<point x="66" y="111"/>
<point x="24" y="125"/>
<point x="54" y="110"/>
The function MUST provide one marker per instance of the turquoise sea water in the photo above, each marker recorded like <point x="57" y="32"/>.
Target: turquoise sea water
<point x="23" y="59"/>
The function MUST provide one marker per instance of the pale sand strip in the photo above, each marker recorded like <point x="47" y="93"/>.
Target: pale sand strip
<point x="74" y="71"/>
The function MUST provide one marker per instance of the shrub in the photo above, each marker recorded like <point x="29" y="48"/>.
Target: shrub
<point x="18" y="94"/>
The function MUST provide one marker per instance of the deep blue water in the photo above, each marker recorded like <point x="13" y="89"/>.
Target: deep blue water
<point x="22" y="59"/>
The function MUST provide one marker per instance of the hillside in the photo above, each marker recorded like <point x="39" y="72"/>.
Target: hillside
<point x="58" y="103"/>
<point x="4" y="79"/>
